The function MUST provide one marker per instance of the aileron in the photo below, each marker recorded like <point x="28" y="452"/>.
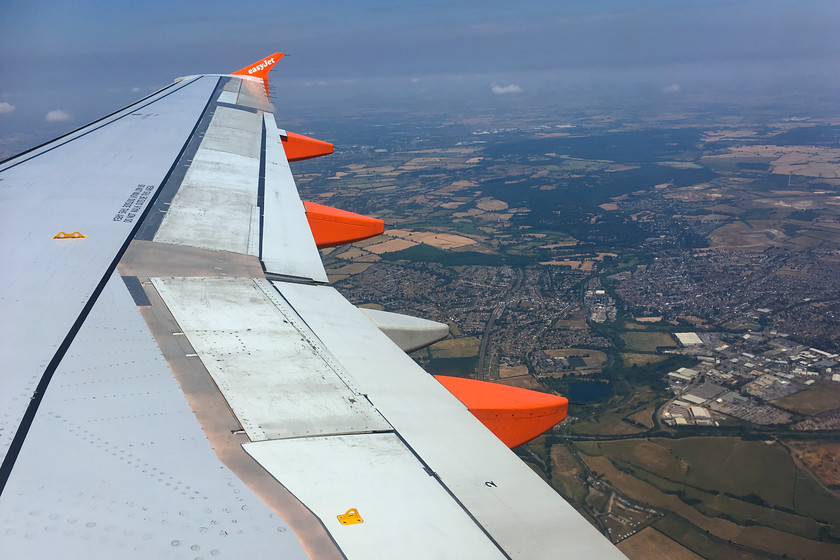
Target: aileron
<point x="288" y="246"/>
<point x="405" y="511"/>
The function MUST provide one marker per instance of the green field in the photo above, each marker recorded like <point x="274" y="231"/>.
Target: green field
<point x="630" y="359"/>
<point x="819" y="398"/>
<point x="608" y="418"/>
<point x="710" y="521"/>
<point x="648" y="341"/>
<point x="751" y="467"/>
<point x="728" y="477"/>
<point x="465" y="347"/>
<point x="700" y="542"/>
<point x="564" y="474"/>
<point x="744" y="513"/>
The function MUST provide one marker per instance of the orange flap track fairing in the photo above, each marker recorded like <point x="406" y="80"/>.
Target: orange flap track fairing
<point x="514" y="415"/>
<point x="332" y="227"/>
<point x="299" y="147"/>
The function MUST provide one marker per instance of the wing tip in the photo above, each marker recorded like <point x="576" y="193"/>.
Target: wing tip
<point x="261" y="68"/>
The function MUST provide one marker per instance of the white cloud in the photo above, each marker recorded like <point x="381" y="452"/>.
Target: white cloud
<point x="501" y="90"/>
<point x="673" y="88"/>
<point x="6" y="108"/>
<point x="57" y="115"/>
<point x="341" y="82"/>
<point x="135" y="89"/>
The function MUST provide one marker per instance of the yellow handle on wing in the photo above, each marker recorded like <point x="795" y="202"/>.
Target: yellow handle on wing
<point x="350" y="517"/>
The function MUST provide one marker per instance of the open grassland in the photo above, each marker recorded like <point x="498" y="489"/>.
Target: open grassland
<point x="455" y="348"/>
<point x="708" y="546"/>
<point x="521" y="381"/>
<point x="610" y="419"/>
<point x="390" y="246"/>
<point x="713" y="504"/>
<point x="650" y="544"/>
<point x="725" y="485"/>
<point x="512" y="371"/>
<point x="745" y="513"/>
<point x="752" y="467"/>
<point x="686" y="525"/>
<point x="823" y="459"/>
<point x="819" y="398"/>
<point x="645" y="453"/>
<point x="761" y="234"/>
<point x="564" y="474"/>
<point x="585" y="265"/>
<point x="643" y="417"/>
<point x="648" y="341"/>
<point x="638" y="326"/>
<point x="435" y="239"/>
<point x="349" y="269"/>
<point x="747" y="236"/>
<point x="590" y="358"/>
<point x="811" y="161"/>
<point x="607" y="425"/>
<point x="630" y="359"/>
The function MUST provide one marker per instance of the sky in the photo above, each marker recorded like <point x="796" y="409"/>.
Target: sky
<point x="64" y="63"/>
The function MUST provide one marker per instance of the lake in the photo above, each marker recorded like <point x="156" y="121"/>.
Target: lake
<point x="589" y="391"/>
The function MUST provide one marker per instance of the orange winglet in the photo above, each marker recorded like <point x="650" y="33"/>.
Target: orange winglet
<point x="261" y="68"/>
<point x="299" y="147"/>
<point x="514" y="415"/>
<point x="332" y="227"/>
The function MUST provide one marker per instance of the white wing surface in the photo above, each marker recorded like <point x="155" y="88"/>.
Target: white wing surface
<point x="178" y="381"/>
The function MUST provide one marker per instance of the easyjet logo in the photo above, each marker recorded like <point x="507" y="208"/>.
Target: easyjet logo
<point x="262" y="65"/>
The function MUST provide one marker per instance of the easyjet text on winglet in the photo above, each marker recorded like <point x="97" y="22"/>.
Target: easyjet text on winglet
<point x="265" y="63"/>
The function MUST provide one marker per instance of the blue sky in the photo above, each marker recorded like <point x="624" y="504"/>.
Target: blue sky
<point x="77" y="60"/>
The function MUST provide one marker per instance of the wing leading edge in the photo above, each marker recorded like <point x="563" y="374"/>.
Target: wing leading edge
<point x="301" y="412"/>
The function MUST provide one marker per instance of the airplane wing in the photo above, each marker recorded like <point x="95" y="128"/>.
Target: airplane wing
<point x="179" y="381"/>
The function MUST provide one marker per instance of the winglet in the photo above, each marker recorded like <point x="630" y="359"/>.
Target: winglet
<point x="261" y="68"/>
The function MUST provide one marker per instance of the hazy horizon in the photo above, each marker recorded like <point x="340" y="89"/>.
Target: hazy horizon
<point x="62" y="65"/>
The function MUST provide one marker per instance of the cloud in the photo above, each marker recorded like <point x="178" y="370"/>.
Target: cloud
<point x="57" y="115"/>
<point x="501" y="90"/>
<point x="339" y="82"/>
<point x="135" y="89"/>
<point x="673" y="88"/>
<point x="6" y="108"/>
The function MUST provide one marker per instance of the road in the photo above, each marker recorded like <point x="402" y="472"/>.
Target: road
<point x="497" y="312"/>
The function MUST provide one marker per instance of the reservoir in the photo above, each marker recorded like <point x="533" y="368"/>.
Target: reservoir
<point x="589" y="391"/>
